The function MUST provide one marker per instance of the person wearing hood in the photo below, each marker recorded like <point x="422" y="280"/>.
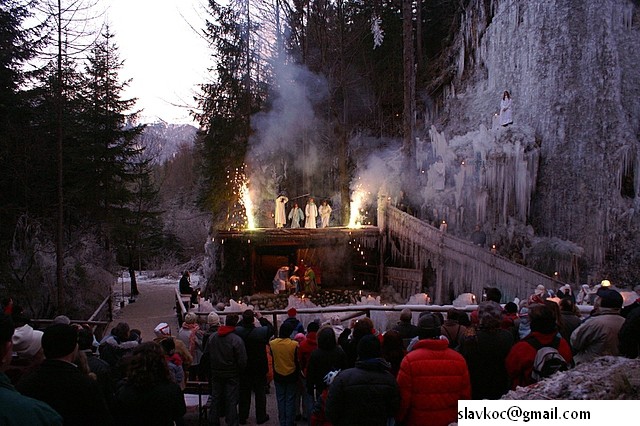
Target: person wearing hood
<point x="432" y="378"/>
<point x="366" y="394"/>
<point x="228" y="357"/>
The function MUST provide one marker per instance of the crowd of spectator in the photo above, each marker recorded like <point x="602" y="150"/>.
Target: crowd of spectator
<point x="412" y="374"/>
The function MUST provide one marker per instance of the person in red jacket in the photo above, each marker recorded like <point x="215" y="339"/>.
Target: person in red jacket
<point x="432" y="378"/>
<point x="519" y="362"/>
<point x="307" y="346"/>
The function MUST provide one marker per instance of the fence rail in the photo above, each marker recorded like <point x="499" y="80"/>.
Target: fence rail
<point x="355" y="311"/>
<point x="460" y="265"/>
<point x="97" y="325"/>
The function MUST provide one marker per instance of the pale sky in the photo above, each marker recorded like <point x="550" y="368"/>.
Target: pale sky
<point x="165" y="58"/>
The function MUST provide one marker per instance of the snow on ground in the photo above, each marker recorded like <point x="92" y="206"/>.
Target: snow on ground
<point x="608" y="377"/>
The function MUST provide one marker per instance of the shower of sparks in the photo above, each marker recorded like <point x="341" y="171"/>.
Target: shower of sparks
<point x="245" y="200"/>
<point x="241" y="215"/>
<point x="359" y="212"/>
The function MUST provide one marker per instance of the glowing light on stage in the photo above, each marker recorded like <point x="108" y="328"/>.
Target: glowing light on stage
<point x="245" y="200"/>
<point x="357" y="201"/>
<point x="241" y="215"/>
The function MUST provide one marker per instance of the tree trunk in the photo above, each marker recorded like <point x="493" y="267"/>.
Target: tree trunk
<point x="132" y="274"/>
<point x="409" y="87"/>
<point x="60" y="210"/>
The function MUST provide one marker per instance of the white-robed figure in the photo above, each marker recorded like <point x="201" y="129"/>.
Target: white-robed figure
<point x="295" y="216"/>
<point x="280" y="280"/>
<point x="506" y="117"/>
<point x="280" y="215"/>
<point x="311" y="212"/>
<point x="325" y="213"/>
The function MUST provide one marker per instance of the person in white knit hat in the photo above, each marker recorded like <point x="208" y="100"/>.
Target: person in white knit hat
<point x="26" y="340"/>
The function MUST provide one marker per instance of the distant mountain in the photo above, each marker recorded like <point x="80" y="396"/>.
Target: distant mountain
<point x="165" y="139"/>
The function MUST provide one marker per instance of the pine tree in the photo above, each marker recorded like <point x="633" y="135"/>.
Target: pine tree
<point x="16" y="47"/>
<point x="226" y="105"/>
<point x="119" y="174"/>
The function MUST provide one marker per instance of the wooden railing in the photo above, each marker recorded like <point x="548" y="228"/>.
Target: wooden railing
<point x="98" y="321"/>
<point x="460" y="266"/>
<point x="183" y="304"/>
<point x="346" y="313"/>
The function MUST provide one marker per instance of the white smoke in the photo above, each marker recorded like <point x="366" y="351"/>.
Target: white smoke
<point x="287" y="134"/>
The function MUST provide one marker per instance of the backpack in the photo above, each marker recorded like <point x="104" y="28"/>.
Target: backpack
<point x="548" y="360"/>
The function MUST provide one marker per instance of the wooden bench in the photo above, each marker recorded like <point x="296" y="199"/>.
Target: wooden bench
<point x="197" y="395"/>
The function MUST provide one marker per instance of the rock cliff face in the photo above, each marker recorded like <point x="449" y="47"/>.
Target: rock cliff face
<point x="573" y="70"/>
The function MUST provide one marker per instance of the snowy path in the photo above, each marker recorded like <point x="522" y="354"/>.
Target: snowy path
<point x="155" y="304"/>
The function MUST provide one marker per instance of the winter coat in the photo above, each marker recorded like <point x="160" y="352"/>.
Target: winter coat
<point x="629" y="335"/>
<point x="432" y="379"/>
<point x="174" y="363"/>
<point x="227" y="354"/>
<point x="185" y="285"/>
<point x="320" y="363"/>
<point x="570" y="322"/>
<point x="67" y="390"/>
<point x="160" y="405"/>
<point x="17" y="410"/>
<point x="112" y="350"/>
<point x="256" y="340"/>
<point x="519" y="362"/>
<point x="192" y="339"/>
<point x="296" y="325"/>
<point x="285" y="362"/>
<point x="305" y="349"/>
<point x="406" y="330"/>
<point x="454" y="332"/>
<point x="597" y="336"/>
<point x="364" y="395"/>
<point x="485" y="353"/>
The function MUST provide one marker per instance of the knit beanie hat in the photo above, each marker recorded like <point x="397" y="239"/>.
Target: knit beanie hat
<point x="26" y="341"/>
<point x="368" y="347"/>
<point x="162" y="330"/>
<point x="489" y="314"/>
<point x="213" y="319"/>
<point x="610" y="298"/>
<point x="429" y="325"/>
